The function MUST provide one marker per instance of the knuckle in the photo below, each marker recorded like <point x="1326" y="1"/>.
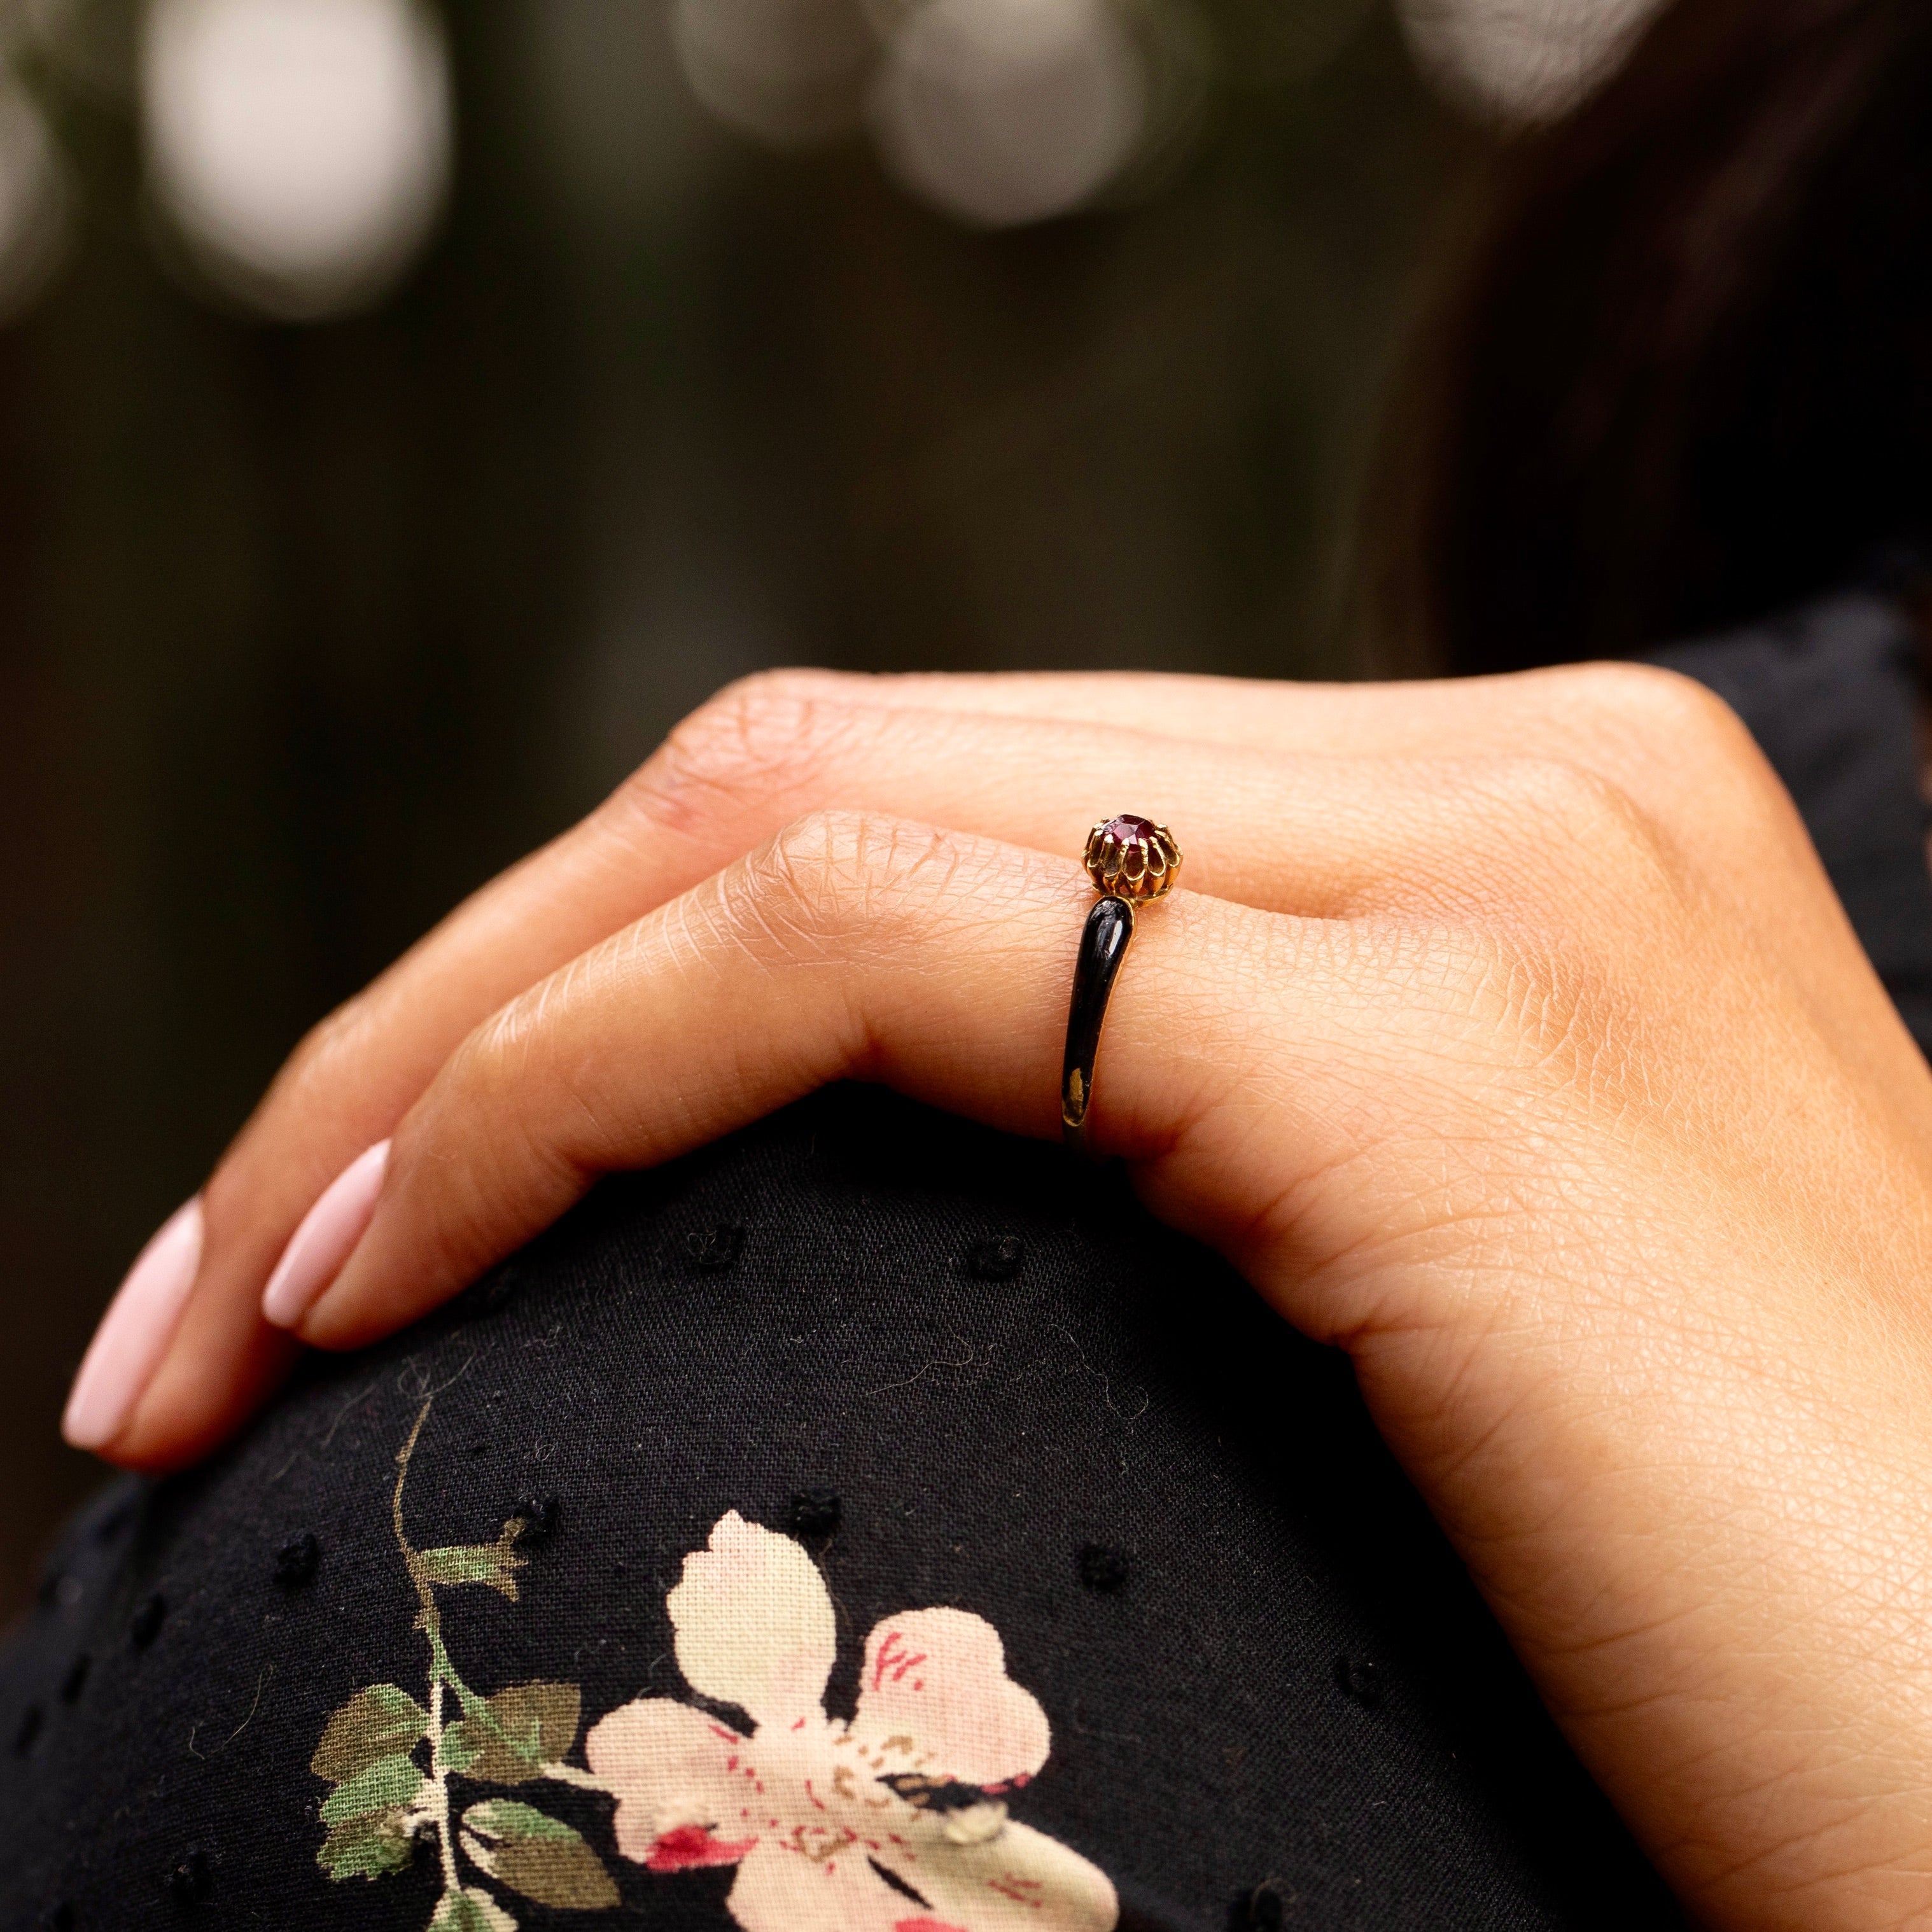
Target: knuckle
<point x="768" y="736"/>
<point x="1678" y="749"/>
<point x="1571" y="799"/>
<point x="747" y="739"/>
<point x="517" y="1089"/>
<point x="1674" y="705"/>
<point x="1566" y="819"/>
<point x="833" y="877"/>
<point x="326" y="1057"/>
<point x="843" y="867"/>
<point x="1664" y="714"/>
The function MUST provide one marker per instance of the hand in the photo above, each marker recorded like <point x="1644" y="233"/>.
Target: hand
<point x="1509" y="1037"/>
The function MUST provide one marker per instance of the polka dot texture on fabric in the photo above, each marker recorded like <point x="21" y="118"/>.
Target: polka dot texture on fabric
<point x="748" y="1465"/>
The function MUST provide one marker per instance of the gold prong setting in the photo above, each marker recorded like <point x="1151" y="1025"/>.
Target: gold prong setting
<point x="1131" y="858"/>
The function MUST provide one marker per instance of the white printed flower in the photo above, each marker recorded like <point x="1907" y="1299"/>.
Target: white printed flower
<point x="832" y="1826"/>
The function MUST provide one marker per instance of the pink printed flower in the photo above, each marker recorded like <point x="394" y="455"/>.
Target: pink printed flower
<point x="821" y="1817"/>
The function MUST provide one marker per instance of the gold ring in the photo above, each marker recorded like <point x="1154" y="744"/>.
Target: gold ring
<point x="1130" y="860"/>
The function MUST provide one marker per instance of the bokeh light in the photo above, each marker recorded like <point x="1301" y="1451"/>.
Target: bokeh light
<point x="1521" y="61"/>
<point x="788" y="72"/>
<point x="1001" y="112"/>
<point x="299" y="149"/>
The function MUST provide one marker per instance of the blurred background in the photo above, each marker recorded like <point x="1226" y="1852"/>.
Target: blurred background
<point x="407" y="416"/>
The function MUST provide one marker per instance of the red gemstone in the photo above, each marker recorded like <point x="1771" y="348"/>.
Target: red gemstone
<point x="1128" y="830"/>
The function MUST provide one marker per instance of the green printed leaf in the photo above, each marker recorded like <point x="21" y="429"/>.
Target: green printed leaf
<point x="536" y="1855"/>
<point x="389" y="1781"/>
<point x="508" y="1739"/>
<point x="380" y="1722"/>
<point x="368" y="1847"/>
<point x="488" y="1563"/>
<point x="493" y="1564"/>
<point x="467" y="1563"/>
<point x="470" y="1910"/>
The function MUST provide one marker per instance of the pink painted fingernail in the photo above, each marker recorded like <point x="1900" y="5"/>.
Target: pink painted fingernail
<point x="135" y="1332"/>
<point x="327" y="1237"/>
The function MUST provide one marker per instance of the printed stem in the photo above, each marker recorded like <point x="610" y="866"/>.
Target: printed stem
<point x="442" y="1672"/>
<point x="445" y="1842"/>
<point x="440" y="1669"/>
<point x="409" y="1556"/>
<point x="445" y="1669"/>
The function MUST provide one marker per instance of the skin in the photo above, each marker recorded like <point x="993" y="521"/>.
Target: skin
<point x="1506" y="1033"/>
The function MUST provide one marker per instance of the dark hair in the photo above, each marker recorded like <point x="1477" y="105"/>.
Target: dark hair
<point x="1687" y="374"/>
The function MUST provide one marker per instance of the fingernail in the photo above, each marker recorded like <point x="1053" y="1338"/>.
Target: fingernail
<point x="327" y="1237"/>
<point x="135" y="1332"/>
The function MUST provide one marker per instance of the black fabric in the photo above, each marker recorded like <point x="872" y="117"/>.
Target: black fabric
<point x="1831" y="693"/>
<point x="962" y="1371"/>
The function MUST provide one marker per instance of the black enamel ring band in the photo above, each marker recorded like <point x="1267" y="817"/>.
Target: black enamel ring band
<point x="1130" y="860"/>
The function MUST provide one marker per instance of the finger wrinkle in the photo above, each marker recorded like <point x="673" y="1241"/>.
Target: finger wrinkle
<point x="836" y="876"/>
<point x="755" y="748"/>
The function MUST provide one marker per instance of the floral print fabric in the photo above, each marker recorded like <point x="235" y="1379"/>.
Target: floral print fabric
<point x="895" y="1821"/>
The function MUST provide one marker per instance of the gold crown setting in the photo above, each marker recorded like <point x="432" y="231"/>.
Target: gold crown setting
<point x="1131" y="858"/>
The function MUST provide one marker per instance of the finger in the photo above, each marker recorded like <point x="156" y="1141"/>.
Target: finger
<point x="1671" y="748"/>
<point x="1329" y="851"/>
<point x="850" y="946"/>
<point x="1244" y="1050"/>
<point x="1620" y="719"/>
<point x="1426" y="810"/>
<point x="768" y="750"/>
<point x="727" y="780"/>
<point x="1317" y="836"/>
